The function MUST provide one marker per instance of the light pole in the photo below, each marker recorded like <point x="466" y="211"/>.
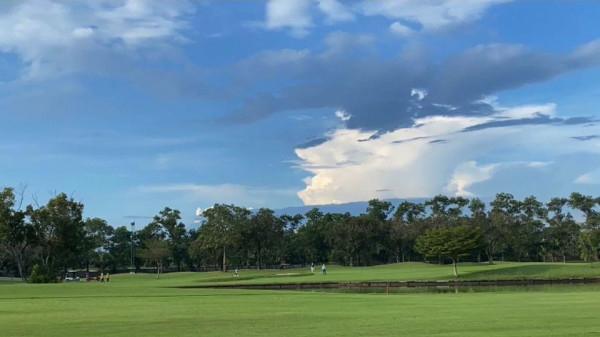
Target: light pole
<point x="132" y="269"/>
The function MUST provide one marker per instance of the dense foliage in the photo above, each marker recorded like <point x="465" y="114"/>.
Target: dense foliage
<point x="45" y="241"/>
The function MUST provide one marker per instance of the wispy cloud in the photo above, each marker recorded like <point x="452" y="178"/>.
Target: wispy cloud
<point x="244" y="195"/>
<point x="58" y="38"/>
<point x="431" y="16"/>
<point x="336" y="11"/>
<point x="589" y="178"/>
<point x="293" y="14"/>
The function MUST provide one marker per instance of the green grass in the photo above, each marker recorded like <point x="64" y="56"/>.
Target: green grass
<point x="407" y="272"/>
<point x="140" y="305"/>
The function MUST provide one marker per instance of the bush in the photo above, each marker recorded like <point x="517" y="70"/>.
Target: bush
<point x="40" y="275"/>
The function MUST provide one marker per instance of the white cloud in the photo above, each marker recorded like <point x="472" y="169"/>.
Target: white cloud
<point x="335" y="11"/>
<point x="528" y="111"/>
<point x="420" y="93"/>
<point x="293" y="14"/>
<point x="589" y="178"/>
<point x="539" y="164"/>
<point x="430" y="14"/>
<point x="343" y="115"/>
<point x="401" y="30"/>
<point x="55" y="38"/>
<point x="437" y="156"/>
<point x="467" y="174"/>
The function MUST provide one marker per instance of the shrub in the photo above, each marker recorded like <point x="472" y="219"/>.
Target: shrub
<point x="40" y="275"/>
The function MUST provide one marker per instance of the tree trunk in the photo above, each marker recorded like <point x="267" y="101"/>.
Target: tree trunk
<point x="454" y="267"/>
<point x="490" y="256"/>
<point x="20" y="266"/>
<point x="258" y="259"/>
<point x="224" y="260"/>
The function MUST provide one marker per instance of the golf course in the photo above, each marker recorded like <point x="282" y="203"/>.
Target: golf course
<point x="142" y="305"/>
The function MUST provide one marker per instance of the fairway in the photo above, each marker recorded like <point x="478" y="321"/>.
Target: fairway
<point x="401" y="272"/>
<point x="140" y="305"/>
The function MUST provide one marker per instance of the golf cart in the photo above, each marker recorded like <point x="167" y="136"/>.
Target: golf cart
<point x="72" y="277"/>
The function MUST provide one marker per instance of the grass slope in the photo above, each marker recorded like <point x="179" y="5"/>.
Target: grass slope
<point x="407" y="272"/>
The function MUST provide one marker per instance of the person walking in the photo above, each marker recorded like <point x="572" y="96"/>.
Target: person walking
<point x="101" y="277"/>
<point x="312" y="267"/>
<point x="323" y="269"/>
<point x="235" y="273"/>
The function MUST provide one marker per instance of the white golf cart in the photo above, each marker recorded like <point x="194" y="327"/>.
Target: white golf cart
<point x="72" y="277"/>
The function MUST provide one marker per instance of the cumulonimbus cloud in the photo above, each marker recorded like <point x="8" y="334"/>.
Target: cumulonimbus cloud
<point x="444" y="154"/>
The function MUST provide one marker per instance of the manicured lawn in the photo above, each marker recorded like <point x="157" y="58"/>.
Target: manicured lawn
<point x="140" y="305"/>
<point x="408" y="272"/>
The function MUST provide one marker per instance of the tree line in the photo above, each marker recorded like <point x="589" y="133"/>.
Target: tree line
<point x="40" y="243"/>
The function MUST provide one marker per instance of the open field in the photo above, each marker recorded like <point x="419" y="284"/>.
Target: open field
<point x="140" y="305"/>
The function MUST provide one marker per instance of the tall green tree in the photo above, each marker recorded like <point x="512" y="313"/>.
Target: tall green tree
<point x="290" y="249"/>
<point x="562" y="233"/>
<point x="176" y="234"/>
<point x="504" y="219"/>
<point x="264" y="234"/>
<point x="59" y="232"/>
<point x="97" y="234"/>
<point x="353" y="239"/>
<point x="406" y="225"/>
<point x="221" y="230"/>
<point x="588" y="205"/>
<point x="314" y="237"/>
<point x="455" y="242"/>
<point x="379" y="210"/>
<point x="155" y="251"/>
<point x="15" y="232"/>
<point x="491" y="235"/>
<point x="119" y="249"/>
<point x="589" y="245"/>
<point x="527" y="237"/>
<point x="446" y="211"/>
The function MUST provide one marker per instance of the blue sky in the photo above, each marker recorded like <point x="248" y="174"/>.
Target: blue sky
<point x="132" y="106"/>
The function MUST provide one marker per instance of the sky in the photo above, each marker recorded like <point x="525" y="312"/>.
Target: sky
<point x="131" y="106"/>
